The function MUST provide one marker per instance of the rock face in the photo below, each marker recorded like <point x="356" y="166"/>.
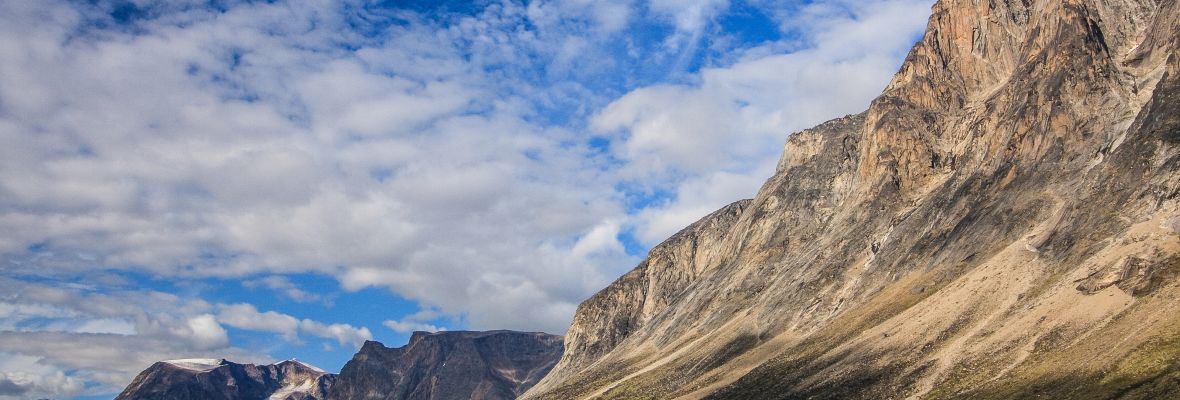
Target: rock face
<point x="218" y="379"/>
<point x="1000" y="223"/>
<point x="449" y="365"/>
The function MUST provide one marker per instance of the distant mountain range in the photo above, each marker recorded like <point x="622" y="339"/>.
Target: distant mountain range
<point x="218" y="379"/>
<point x="449" y="365"/>
<point x="491" y="365"/>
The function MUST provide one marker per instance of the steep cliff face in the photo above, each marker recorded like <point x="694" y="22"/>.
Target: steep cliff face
<point x="449" y="365"/>
<point x="1001" y="222"/>
<point x="218" y="379"/>
<point x="635" y="298"/>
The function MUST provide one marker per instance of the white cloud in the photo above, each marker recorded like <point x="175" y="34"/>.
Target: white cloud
<point x="402" y="326"/>
<point x="286" y="287"/>
<point x="55" y="339"/>
<point x="344" y="334"/>
<point x="78" y="323"/>
<point x="250" y="143"/>
<point x="233" y="151"/>
<point x="689" y="15"/>
<point x="205" y="333"/>
<point x="673" y="127"/>
<point x="23" y="377"/>
<point x="246" y="316"/>
<point x="66" y="335"/>
<point x="741" y="111"/>
<point x="109" y="361"/>
<point x="695" y="198"/>
<point x="605" y="16"/>
<point x="718" y="140"/>
<point x="415" y="322"/>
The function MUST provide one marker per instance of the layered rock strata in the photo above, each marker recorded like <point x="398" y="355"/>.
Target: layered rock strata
<point x="218" y="379"/>
<point x="1001" y="222"/>
<point x="449" y="365"/>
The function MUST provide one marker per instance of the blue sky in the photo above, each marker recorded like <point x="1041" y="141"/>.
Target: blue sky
<point x="262" y="180"/>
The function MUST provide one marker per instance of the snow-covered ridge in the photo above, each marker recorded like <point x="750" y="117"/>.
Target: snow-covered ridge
<point x="309" y="366"/>
<point x="306" y="386"/>
<point x="197" y="364"/>
<point x="206" y="364"/>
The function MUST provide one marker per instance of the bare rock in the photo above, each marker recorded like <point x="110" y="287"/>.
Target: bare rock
<point x="449" y="365"/>
<point x="1022" y="145"/>
<point x="225" y="380"/>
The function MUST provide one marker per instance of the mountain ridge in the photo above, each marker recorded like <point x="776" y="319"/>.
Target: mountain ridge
<point x="216" y="379"/>
<point x="450" y="364"/>
<point x="997" y="221"/>
<point x="486" y="365"/>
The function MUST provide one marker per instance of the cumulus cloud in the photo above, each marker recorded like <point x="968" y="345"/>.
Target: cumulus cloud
<point x="22" y="377"/>
<point x="60" y="363"/>
<point x="247" y="143"/>
<point x="415" y="322"/>
<point x="403" y="326"/>
<point x="695" y="198"/>
<point x="246" y="316"/>
<point x="205" y="333"/>
<point x="54" y="339"/>
<point x="344" y="334"/>
<point x="283" y="285"/>
<point x="10" y="387"/>
<point x="30" y="306"/>
<point x="715" y="141"/>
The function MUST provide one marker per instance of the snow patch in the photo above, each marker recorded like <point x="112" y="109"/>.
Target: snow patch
<point x="197" y="364"/>
<point x="303" y="387"/>
<point x="308" y="366"/>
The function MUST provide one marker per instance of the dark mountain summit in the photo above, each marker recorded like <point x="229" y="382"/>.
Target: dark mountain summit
<point x="443" y="365"/>
<point x="218" y="379"/>
<point x="449" y="365"/>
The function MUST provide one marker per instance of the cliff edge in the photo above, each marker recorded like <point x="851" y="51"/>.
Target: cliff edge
<point x="1001" y="222"/>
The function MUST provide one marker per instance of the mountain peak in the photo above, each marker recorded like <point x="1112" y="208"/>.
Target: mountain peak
<point x="301" y="364"/>
<point x="450" y="364"/>
<point x="995" y="221"/>
<point x="220" y="379"/>
<point x="198" y="364"/>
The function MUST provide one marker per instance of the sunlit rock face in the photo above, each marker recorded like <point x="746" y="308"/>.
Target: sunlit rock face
<point x="1000" y="223"/>
<point x="450" y="365"/>
<point x="218" y="379"/>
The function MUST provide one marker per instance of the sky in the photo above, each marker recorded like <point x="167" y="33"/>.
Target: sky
<point x="264" y="180"/>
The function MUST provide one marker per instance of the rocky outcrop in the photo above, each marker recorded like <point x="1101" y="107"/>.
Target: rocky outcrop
<point x="449" y="365"/>
<point x="218" y="379"/>
<point x="999" y="223"/>
<point x="635" y="298"/>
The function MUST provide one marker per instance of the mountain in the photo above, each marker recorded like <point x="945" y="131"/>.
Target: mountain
<point x="449" y="365"/>
<point x="1002" y="222"/>
<point x="218" y="379"/>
